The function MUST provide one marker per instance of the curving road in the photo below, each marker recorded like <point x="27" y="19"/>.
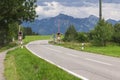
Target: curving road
<point x="81" y="64"/>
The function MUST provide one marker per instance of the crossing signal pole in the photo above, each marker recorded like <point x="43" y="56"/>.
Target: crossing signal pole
<point x="58" y="26"/>
<point x="20" y="36"/>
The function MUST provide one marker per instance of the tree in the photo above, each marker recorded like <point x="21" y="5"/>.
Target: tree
<point x="15" y="11"/>
<point x="28" y="31"/>
<point x="13" y="31"/>
<point x="90" y="35"/>
<point x="116" y="36"/>
<point x="82" y="37"/>
<point x="103" y="32"/>
<point x="70" y="34"/>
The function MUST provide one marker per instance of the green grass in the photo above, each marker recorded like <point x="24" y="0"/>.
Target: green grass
<point x="109" y="50"/>
<point x="38" y="37"/>
<point x="20" y="64"/>
<point x="113" y="51"/>
<point x="8" y="46"/>
<point x="26" y="40"/>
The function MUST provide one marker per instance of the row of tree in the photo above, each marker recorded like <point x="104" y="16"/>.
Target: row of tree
<point x="104" y="32"/>
<point x="13" y="13"/>
<point x="12" y="33"/>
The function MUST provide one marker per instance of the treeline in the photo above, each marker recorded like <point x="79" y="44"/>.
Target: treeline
<point x="28" y="31"/>
<point x="103" y="33"/>
<point x="12" y="33"/>
<point x="13" y="13"/>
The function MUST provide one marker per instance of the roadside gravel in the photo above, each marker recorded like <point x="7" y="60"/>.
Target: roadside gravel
<point x="2" y="57"/>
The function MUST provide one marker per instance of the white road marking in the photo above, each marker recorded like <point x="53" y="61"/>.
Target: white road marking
<point x="72" y="55"/>
<point x="61" y="52"/>
<point x="54" y="50"/>
<point x="77" y="75"/>
<point x="98" y="61"/>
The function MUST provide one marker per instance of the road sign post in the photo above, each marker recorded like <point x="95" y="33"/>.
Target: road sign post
<point x="58" y="37"/>
<point x="20" y="36"/>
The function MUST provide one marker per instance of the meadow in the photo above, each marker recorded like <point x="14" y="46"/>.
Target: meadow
<point x="109" y="50"/>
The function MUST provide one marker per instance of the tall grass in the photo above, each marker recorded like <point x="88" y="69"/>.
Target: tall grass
<point x="10" y="45"/>
<point x="20" y="64"/>
<point x="113" y="51"/>
<point x="109" y="50"/>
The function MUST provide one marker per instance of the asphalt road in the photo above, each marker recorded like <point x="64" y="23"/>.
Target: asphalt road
<point x="85" y="65"/>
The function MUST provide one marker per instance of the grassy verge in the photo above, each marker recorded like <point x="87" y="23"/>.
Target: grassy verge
<point x="110" y="50"/>
<point x="113" y="51"/>
<point x="26" y="40"/>
<point x="38" y="37"/>
<point x="5" y="47"/>
<point x="20" y="64"/>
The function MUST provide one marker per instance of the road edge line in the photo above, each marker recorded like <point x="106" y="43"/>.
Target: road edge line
<point x="81" y="77"/>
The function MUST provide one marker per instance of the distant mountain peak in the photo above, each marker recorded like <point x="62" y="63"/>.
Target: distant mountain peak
<point x="63" y="16"/>
<point x="92" y="16"/>
<point x="112" y="21"/>
<point x="60" y="15"/>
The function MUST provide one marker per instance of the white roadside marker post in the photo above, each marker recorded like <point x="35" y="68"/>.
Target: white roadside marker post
<point x="82" y="48"/>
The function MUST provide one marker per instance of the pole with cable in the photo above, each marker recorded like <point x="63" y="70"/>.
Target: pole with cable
<point x="58" y="34"/>
<point x="100" y="9"/>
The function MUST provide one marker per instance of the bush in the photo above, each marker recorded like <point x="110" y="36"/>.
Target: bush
<point x="102" y="33"/>
<point x="82" y="37"/>
<point x="116" y="35"/>
<point x="70" y="34"/>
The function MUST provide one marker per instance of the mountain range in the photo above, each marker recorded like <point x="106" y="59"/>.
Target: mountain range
<point x="61" y="22"/>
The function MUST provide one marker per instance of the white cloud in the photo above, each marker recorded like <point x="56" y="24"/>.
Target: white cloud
<point x="51" y="9"/>
<point x="110" y="10"/>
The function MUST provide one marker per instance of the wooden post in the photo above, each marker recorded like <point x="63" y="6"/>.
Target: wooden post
<point x="100" y="9"/>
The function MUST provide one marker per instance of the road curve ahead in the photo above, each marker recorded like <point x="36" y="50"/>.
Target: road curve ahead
<point x="81" y="64"/>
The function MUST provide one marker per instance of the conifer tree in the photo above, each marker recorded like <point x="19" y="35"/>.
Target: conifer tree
<point x="103" y="32"/>
<point x="70" y="34"/>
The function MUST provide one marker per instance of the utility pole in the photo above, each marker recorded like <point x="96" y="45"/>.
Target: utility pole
<point x="58" y="26"/>
<point x="100" y="9"/>
<point x="58" y="34"/>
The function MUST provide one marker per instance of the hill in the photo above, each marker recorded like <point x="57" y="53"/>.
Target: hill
<point x="50" y="25"/>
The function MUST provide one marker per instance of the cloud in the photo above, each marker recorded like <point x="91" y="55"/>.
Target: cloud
<point x="51" y="9"/>
<point x="77" y="2"/>
<point x="111" y="10"/>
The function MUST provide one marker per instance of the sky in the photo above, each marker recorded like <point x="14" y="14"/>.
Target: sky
<point x="78" y="8"/>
